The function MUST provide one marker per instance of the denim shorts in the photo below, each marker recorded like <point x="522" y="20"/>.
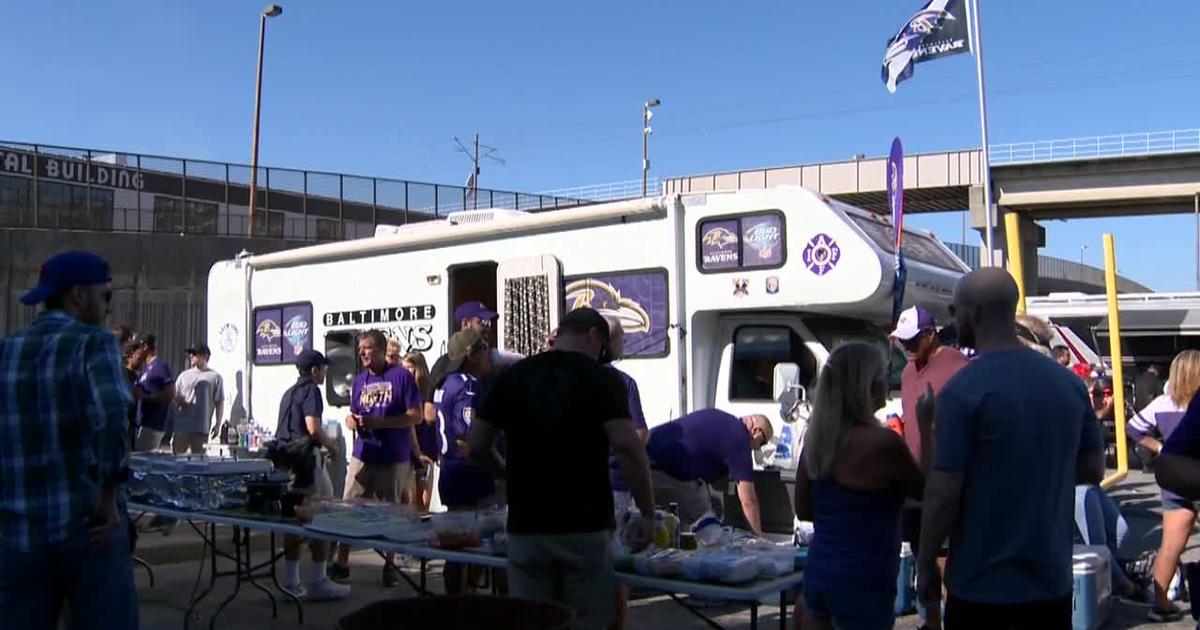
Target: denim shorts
<point x="851" y="608"/>
<point x="1173" y="503"/>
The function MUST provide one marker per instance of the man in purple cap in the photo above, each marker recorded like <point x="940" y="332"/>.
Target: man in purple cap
<point x="930" y="366"/>
<point x="63" y="400"/>
<point x="469" y="316"/>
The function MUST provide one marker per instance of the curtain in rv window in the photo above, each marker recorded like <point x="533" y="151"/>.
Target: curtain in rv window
<point x="527" y="314"/>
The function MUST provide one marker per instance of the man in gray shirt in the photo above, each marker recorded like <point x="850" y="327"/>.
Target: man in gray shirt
<point x="200" y="395"/>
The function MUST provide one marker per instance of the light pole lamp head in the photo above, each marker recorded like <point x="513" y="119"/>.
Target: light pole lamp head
<point x="272" y="10"/>
<point x="653" y="103"/>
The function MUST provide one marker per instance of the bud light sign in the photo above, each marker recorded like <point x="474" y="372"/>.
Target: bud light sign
<point x="281" y="333"/>
<point x="747" y="241"/>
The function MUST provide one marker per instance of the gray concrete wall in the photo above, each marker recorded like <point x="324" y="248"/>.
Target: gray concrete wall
<point x="159" y="280"/>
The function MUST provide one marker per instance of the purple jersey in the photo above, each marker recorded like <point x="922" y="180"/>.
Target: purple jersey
<point x="461" y="482"/>
<point x="389" y="394"/>
<point x="639" y="422"/>
<point x="707" y="444"/>
<point x="154" y="379"/>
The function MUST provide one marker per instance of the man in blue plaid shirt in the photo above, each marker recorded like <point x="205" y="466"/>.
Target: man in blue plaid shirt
<point x="63" y="446"/>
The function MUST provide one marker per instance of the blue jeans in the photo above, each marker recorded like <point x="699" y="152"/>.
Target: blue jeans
<point x="851" y="609"/>
<point x="97" y="586"/>
<point x="1100" y="522"/>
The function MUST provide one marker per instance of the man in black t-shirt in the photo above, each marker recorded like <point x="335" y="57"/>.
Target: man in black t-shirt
<point x="560" y="411"/>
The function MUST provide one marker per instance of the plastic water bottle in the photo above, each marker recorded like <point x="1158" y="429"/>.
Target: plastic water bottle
<point x="673" y="524"/>
<point x="905" y="591"/>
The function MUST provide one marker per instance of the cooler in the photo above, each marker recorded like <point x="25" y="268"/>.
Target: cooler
<point x="1091" y="602"/>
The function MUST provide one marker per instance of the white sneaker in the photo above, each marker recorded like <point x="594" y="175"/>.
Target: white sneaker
<point x="295" y="590"/>
<point x="326" y="591"/>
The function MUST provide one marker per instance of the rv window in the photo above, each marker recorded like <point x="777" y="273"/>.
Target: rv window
<point x="744" y="241"/>
<point x="756" y="350"/>
<point x="918" y="247"/>
<point x="342" y="352"/>
<point x="639" y="299"/>
<point x="836" y="331"/>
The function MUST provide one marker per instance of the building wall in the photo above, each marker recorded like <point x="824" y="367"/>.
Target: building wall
<point x="159" y="280"/>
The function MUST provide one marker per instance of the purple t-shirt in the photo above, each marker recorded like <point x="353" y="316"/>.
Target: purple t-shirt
<point x="385" y="395"/>
<point x="155" y="378"/>
<point x="707" y="444"/>
<point x="639" y="422"/>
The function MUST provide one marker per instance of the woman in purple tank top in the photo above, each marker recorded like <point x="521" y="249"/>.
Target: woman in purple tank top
<point x="1151" y="427"/>
<point x="852" y="477"/>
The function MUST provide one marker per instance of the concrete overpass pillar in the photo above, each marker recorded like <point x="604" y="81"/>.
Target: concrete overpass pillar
<point x="1032" y="237"/>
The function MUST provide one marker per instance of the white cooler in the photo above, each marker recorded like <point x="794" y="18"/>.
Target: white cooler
<point x="1091" y="601"/>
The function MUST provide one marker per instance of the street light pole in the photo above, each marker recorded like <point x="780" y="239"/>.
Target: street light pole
<point x="1082" y="249"/>
<point x="270" y="11"/>
<point x="646" y="131"/>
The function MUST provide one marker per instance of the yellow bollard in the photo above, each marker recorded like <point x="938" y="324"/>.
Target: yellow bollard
<point x="1015" y="267"/>
<point x="1114" y="339"/>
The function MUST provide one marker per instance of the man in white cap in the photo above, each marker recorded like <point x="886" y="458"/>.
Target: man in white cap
<point x="930" y="366"/>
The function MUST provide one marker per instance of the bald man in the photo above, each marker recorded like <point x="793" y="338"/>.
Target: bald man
<point x="1015" y="434"/>
<point x="701" y="448"/>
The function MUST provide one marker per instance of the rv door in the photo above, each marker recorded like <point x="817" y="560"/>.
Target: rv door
<point x="529" y="299"/>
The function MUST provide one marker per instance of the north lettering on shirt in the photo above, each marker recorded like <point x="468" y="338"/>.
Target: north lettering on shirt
<point x="382" y="315"/>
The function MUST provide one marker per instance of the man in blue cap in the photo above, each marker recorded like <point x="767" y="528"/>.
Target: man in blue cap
<point x="64" y="398"/>
<point x="300" y="418"/>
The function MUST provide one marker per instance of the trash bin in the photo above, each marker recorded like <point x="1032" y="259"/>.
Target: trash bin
<point x="460" y="611"/>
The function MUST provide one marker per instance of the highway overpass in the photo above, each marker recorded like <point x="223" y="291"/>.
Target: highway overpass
<point x="1100" y="176"/>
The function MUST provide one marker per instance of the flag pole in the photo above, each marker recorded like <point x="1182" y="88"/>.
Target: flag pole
<point x="983" y="126"/>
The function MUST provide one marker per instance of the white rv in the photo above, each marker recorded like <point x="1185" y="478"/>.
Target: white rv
<point x="728" y="300"/>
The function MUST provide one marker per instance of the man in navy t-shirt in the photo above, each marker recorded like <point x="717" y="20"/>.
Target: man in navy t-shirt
<point x="154" y="391"/>
<point x="701" y="448"/>
<point x="384" y="403"/>
<point x="1011" y="409"/>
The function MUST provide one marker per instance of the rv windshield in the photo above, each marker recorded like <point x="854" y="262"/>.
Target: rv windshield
<point x="836" y="331"/>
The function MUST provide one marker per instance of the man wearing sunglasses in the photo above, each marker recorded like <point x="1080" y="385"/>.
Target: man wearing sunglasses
<point x="64" y="399"/>
<point x="930" y="366"/>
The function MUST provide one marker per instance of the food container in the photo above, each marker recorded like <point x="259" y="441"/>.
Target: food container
<point x="659" y="562"/>
<point x="730" y="567"/>
<point x="456" y="531"/>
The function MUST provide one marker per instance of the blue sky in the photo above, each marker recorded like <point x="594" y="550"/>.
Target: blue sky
<point x="381" y="88"/>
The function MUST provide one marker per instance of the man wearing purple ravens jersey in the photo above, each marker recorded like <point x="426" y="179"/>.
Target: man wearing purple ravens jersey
<point x="462" y="485"/>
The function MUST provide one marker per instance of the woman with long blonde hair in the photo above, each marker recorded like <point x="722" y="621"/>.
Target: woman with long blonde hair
<point x="1151" y="427"/>
<point x="853" y="477"/>
<point x="424" y="435"/>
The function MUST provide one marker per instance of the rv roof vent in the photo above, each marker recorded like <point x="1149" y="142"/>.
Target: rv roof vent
<point x="384" y="229"/>
<point x="482" y="215"/>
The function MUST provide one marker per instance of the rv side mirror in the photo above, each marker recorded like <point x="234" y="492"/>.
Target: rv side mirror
<point x="786" y="380"/>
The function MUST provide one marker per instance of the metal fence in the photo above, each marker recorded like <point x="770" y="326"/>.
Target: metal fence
<point x="72" y="188"/>
<point x="1124" y="145"/>
<point x="611" y="191"/>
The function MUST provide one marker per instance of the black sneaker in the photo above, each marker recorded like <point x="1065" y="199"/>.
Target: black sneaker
<point x="1158" y="615"/>
<point x="338" y="573"/>
<point x="391" y="577"/>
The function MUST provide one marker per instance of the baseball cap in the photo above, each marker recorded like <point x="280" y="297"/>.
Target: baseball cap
<point x="66" y="270"/>
<point x="200" y="349"/>
<point x="471" y="310"/>
<point x="913" y="321"/>
<point x="310" y="359"/>
<point x="144" y="339"/>
<point x="461" y="344"/>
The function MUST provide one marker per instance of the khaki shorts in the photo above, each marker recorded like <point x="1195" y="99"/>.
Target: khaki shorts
<point x="184" y="442"/>
<point x="694" y="498"/>
<point x="148" y="439"/>
<point x="382" y="482"/>
<point x="571" y="569"/>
